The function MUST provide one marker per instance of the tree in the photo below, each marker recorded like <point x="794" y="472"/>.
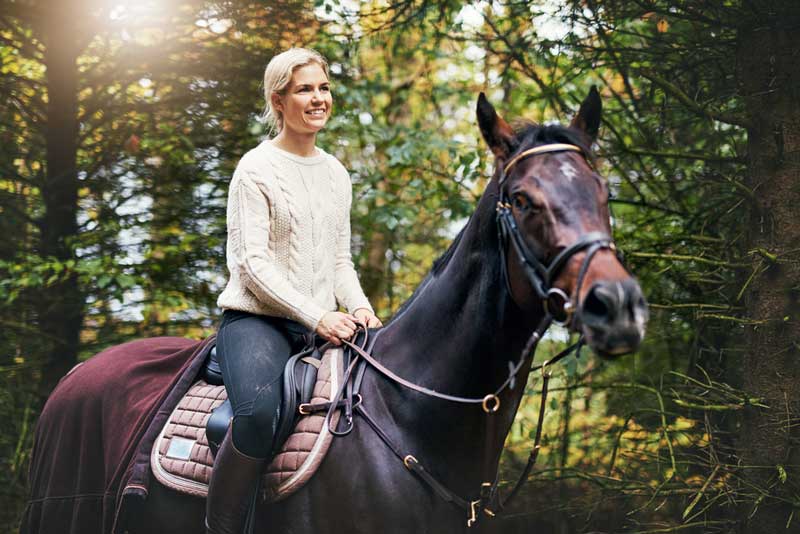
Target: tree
<point x="87" y="82"/>
<point x="768" y="45"/>
<point x="112" y="109"/>
<point x="124" y="124"/>
<point x="700" y="121"/>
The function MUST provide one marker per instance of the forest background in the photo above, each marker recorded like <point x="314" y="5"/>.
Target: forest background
<point x="122" y="120"/>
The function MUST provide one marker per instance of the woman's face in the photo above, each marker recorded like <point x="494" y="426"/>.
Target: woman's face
<point x="306" y="103"/>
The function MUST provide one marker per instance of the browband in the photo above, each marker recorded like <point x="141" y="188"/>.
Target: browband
<point x="554" y="147"/>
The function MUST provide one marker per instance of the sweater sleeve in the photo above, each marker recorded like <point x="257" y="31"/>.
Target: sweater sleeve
<point x="347" y="288"/>
<point x="249" y="218"/>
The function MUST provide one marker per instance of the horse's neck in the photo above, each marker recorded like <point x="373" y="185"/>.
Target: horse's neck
<point x="457" y="336"/>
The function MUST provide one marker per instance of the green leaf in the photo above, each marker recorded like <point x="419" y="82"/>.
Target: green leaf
<point x="782" y="476"/>
<point x="126" y="281"/>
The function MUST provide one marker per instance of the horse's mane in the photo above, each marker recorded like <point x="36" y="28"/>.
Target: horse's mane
<point x="437" y="267"/>
<point x="442" y="260"/>
<point x="526" y="135"/>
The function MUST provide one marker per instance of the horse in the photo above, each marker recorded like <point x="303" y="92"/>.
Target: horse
<point x="537" y="247"/>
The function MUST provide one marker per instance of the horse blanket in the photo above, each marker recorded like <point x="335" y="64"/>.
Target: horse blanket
<point x="93" y="438"/>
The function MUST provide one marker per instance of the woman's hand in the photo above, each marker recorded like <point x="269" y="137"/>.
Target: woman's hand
<point x="368" y="318"/>
<point x="336" y="326"/>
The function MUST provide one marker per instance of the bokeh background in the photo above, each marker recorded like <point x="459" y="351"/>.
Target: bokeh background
<point x="121" y="122"/>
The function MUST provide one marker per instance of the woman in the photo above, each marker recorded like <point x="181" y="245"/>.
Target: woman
<point x="288" y="253"/>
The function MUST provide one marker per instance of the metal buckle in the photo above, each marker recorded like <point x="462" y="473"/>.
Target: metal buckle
<point x="304" y="409"/>
<point x="487" y="400"/>
<point x="544" y="366"/>
<point x="408" y="459"/>
<point x="473" y="513"/>
<point x="566" y="306"/>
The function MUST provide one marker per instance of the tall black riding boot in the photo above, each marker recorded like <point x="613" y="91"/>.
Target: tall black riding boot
<point x="233" y="480"/>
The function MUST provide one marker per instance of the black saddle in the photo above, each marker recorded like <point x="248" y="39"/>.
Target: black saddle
<point x="299" y="378"/>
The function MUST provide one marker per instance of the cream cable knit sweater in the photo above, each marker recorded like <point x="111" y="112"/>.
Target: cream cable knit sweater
<point x="288" y="249"/>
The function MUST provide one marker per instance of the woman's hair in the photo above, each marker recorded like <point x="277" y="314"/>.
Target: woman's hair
<point x="277" y="76"/>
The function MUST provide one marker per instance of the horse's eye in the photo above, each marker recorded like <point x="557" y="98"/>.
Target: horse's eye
<point x="522" y="203"/>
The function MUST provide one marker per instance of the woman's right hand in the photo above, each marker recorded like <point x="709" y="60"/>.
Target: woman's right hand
<point x="336" y="326"/>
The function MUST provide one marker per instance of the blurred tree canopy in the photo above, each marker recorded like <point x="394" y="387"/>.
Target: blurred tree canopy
<point x="123" y="120"/>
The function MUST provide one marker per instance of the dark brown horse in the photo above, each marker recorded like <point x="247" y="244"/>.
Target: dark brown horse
<point x="468" y="319"/>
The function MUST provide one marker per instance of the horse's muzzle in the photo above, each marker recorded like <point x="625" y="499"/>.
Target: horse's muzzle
<point x="613" y="316"/>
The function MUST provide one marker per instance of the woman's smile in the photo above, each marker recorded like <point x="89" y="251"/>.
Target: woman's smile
<point x="307" y="102"/>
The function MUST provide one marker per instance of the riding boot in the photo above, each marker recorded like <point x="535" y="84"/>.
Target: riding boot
<point x="230" y="491"/>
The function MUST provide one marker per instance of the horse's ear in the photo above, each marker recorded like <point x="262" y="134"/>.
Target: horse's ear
<point x="497" y="133"/>
<point x="588" y="118"/>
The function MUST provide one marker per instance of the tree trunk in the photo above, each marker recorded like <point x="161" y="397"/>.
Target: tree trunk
<point x="61" y="306"/>
<point x="769" y="81"/>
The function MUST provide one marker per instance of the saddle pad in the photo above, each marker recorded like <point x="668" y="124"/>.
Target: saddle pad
<point x="181" y="458"/>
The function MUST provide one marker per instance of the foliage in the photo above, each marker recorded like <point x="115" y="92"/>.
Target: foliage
<point x="166" y="101"/>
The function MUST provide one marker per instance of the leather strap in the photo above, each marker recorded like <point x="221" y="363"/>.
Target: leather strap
<point x="488" y="495"/>
<point x="542" y="149"/>
<point x="541" y="275"/>
<point x="541" y="278"/>
<point x="523" y="477"/>
<point x="412" y="464"/>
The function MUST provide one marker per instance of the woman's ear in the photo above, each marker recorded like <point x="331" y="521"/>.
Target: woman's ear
<point x="277" y="103"/>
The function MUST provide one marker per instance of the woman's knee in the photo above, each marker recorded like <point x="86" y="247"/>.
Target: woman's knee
<point x="254" y="432"/>
<point x="248" y="438"/>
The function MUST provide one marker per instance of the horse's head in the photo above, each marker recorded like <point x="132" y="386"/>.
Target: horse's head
<point x="555" y="229"/>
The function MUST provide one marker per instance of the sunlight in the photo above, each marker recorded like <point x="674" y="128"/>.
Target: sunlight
<point x="145" y="21"/>
<point x="214" y="24"/>
<point x="131" y="10"/>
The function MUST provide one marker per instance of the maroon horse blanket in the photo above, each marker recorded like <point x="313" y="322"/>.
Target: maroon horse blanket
<point x="93" y="437"/>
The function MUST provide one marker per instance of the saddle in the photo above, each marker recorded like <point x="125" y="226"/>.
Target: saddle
<point x="183" y="454"/>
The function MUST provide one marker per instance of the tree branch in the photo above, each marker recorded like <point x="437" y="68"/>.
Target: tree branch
<point x="677" y="92"/>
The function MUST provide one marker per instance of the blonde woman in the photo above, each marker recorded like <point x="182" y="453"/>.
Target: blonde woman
<point x="288" y="254"/>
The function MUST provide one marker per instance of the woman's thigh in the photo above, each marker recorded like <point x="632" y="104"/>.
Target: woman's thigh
<point x="253" y="351"/>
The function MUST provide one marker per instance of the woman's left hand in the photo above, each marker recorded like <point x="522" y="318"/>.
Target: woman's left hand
<point x="368" y="318"/>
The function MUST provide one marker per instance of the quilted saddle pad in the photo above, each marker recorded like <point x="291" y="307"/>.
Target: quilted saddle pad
<point x="181" y="458"/>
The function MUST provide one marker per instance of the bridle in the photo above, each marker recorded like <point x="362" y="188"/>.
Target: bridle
<point x="541" y="276"/>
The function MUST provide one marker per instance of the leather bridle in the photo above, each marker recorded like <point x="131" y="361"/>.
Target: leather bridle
<point x="541" y="276"/>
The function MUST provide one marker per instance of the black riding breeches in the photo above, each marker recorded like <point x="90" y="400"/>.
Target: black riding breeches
<point x="253" y="350"/>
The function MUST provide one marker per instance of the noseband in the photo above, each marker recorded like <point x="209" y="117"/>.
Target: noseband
<point x="541" y="275"/>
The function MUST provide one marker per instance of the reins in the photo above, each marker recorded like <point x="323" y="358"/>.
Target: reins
<point x="541" y="276"/>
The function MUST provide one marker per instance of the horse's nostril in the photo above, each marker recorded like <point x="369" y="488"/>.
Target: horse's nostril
<point x="596" y="304"/>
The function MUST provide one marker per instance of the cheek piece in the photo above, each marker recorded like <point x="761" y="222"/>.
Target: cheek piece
<point x="558" y="306"/>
